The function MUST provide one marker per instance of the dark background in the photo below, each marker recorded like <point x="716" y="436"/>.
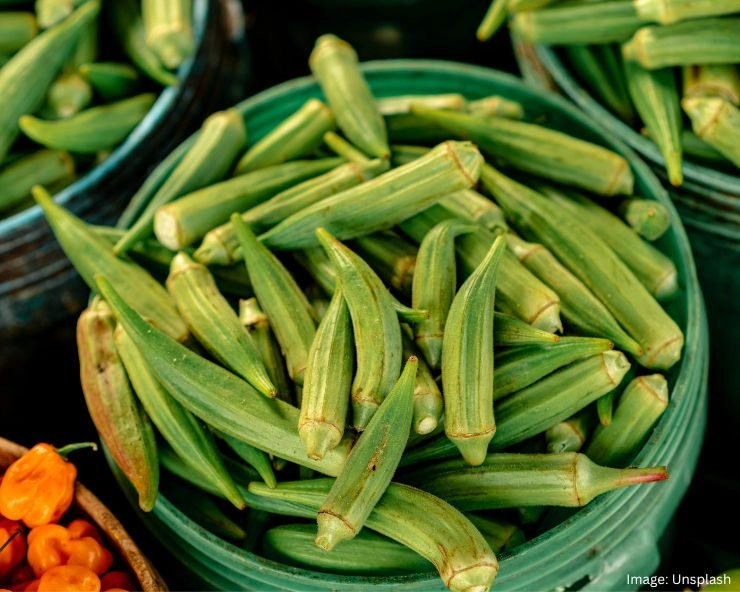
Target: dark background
<point x="39" y="376"/>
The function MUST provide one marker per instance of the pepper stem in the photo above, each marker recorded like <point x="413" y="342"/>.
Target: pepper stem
<point x="9" y="539"/>
<point x="65" y="450"/>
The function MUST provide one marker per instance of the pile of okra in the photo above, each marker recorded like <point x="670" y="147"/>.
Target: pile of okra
<point x="669" y="68"/>
<point x="384" y="337"/>
<point x="76" y="77"/>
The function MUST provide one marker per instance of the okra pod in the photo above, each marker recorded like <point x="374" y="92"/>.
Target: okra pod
<point x="384" y="201"/>
<point x="717" y="122"/>
<point x="667" y="12"/>
<point x="494" y="18"/>
<point x="428" y="401"/>
<point x="90" y="130"/>
<point x="343" y="148"/>
<point x="434" y="285"/>
<point x="286" y="306"/>
<point x="596" y="265"/>
<point x="169" y="30"/>
<point x="712" y="80"/>
<point x="605" y="407"/>
<point x="214" y="323"/>
<point x="536" y="149"/>
<point x="511" y="480"/>
<point x="703" y="41"/>
<point x="51" y="12"/>
<point x="179" y="427"/>
<point x="471" y="205"/>
<point x="370" y="465"/>
<point x="399" y="104"/>
<point x="467" y="360"/>
<point x="647" y="217"/>
<point x="326" y="395"/>
<point x="207" y="160"/>
<point x="123" y="426"/>
<point x="499" y="534"/>
<point x="522" y="5"/>
<point x="571" y="434"/>
<point x="16" y="30"/>
<point x="412" y="517"/>
<point x="640" y="406"/>
<point x="111" y="80"/>
<point x="496" y="106"/>
<point x="404" y="153"/>
<point x="253" y="456"/>
<point x="407" y="128"/>
<point x="42" y="167"/>
<point x="25" y="78"/>
<point x="186" y="219"/>
<point x="334" y="64"/>
<point x="377" y="332"/>
<point x="519" y="367"/>
<point x="219" y="398"/>
<point x="391" y="256"/>
<point x="91" y="255"/>
<point x="509" y="330"/>
<point x="67" y="96"/>
<point x="220" y="245"/>
<point x="295" y="137"/>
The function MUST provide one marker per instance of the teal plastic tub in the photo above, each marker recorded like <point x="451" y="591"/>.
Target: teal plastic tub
<point x="38" y="285"/>
<point x="597" y="547"/>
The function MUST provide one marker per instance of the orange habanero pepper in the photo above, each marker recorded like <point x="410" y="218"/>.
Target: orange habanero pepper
<point x="88" y="552"/>
<point x="79" y="527"/>
<point x="117" y="580"/>
<point x="47" y="547"/>
<point x="13" y="551"/>
<point x="69" y="578"/>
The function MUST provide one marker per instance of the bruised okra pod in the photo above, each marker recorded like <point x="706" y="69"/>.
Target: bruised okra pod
<point x="326" y="394"/>
<point x="471" y="205"/>
<point x="343" y="148"/>
<point x="536" y="149"/>
<point x="214" y="323"/>
<point x="704" y="41"/>
<point x="297" y="136"/>
<point x="596" y="265"/>
<point x="186" y="219"/>
<point x="169" y="30"/>
<point x="509" y="330"/>
<point x="179" y="427"/>
<point x="219" y="398"/>
<point x="640" y="406"/>
<point x="714" y="80"/>
<point x="111" y="80"/>
<point x="428" y="402"/>
<point x="43" y="167"/>
<point x="90" y="130"/>
<point x="277" y="292"/>
<point x="384" y="201"/>
<point x="220" y="245"/>
<point x="391" y="256"/>
<point x="91" y="255"/>
<point x="667" y="12"/>
<point x="647" y="217"/>
<point x="207" y="160"/>
<point x="467" y="360"/>
<point x="717" y="122"/>
<point x="123" y="426"/>
<point x="334" y="63"/>
<point x="570" y="434"/>
<point x="377" y="332"/>
<point x="370" y="465"/>
<point x="496" y="106"/>
<point x="512" y="480"/>
<point x="578" y="305"/>
<point x="410" y="516"/>
<point x="434" y="285"/>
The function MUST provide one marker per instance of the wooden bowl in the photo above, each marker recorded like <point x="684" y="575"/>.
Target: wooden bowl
<point x="89" y="506"/>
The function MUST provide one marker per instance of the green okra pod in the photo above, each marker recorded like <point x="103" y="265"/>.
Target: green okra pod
<point x="90" y="130"/>
<point x="111" y="80"/>
<point x="519" y="367"/>
<point x="295" y="137"/>
<point x="703" y="41"/>
<point x="51" y="12"/>
<point x="253" y="456"/>
<point x="207" y="160"/>
<point x="384" y="201"/>
<point x="499" y="534"/>
<point x="596" y="265"/>
<point x="647" y="217"/>
<point x="571" y="434"/>
<point x="377" y="332"/>
<point x="509" y="330"/>
<point x="92" y="255"/>
<point x="605" y="407"/>
<point x="214" y="323"/>
<point x="410" y="516"/>
<point x="471" y="205"/>
<point x="639" y="407"/>
<point x="578" y="305"/>
<point x="467" y="360"/>
<point x="277" y="292"/>
<point x="128" y="26"/>
<point x="220" y="245"/>
<point x="496" y="106"/>
<point x="219" y="398"/>
<point x="186" y="219"/>
<point x="124" y="428"/>
<point x="523" y="5"/>
<point x="391" y="256"/>
<point x="717" y="122"/>
<point x="26" y="77"/>
<point x="343" y="148"/>
<point x="494" y="18"/>
<point x="67" y="96"/>
<point x="511" y="480"/>
<point x="169" y="30"/>
<point x="366" y="554"/>
<point x="434" y="285"/>
<point x="428" y="401"/>
<point x="536" y="149"/>
<point x="402" y="103"/>
<point x="16" y="29"/>
<point x="667" y="12"/>
<point x="370" y="465"/>
<point x="42" y="167"/>
<point x="334" y="64"/>
<point x="405" y="153"/>
<point x="179" y="427"/>
<point x="326" y="395"/>
<point x="654" y="269"/>
<point x="407" y="128"/>
<point x="712" y="80"/>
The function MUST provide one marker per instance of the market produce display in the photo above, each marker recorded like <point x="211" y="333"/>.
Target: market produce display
<point x="452" y="293"/>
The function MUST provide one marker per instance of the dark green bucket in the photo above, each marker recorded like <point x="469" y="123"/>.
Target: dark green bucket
<point x="594" y="549"/>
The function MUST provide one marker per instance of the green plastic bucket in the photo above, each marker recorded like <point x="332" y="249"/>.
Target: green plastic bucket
<point x="598" y="546"/>
<point x="38" y="285"/>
